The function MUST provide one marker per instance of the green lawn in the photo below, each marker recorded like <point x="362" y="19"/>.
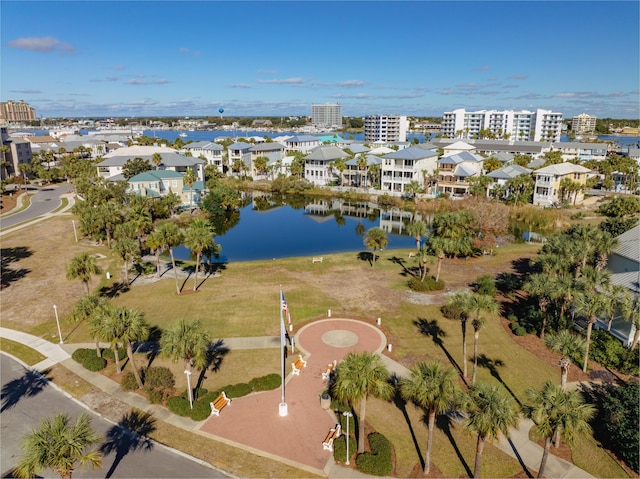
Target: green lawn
<point x="26" y="354"/>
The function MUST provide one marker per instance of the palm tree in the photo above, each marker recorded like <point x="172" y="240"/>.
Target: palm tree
<point x="539" y="285"/>
<point x="155" y="244"/>
<point x="613" y="297"/>
<point x="491" y="413"/>
<point x="133" y="328"/>
<point x="357" y="376"/>
<point x="570" y="346"/>
<point x="434" y="389"/>
<point x="362" y="165"/>
<point x="475" y="305"/>
<point x="460" y="301"/>
<point x="417" y="229"/>
<point x="198" y="238"/>
<point x="108" y="216"/>
<point x="187" y="342"/>
<point x="630" y="309"/>
<point x="556" y="411"/>
<point x="189" y="179"/>
<point x="156" y="159"/>
<point x="59" y="445"/>
<point x="82" y="267"/>
<point x="128" y="249"/>
<point x="90" y="308"/>
<point x="170" y="236"/>
<point x="108" y="327"/>
<point x="375" y="239"/>
<point x="590" y="305"/>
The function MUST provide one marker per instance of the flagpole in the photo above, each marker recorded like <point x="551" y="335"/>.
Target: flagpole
<point x="282" y="409"/>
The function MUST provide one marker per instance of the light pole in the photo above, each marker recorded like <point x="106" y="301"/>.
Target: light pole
<point x="55" y="309"/>
<point x="188" y="373"/>
<point x="348" y="415"/>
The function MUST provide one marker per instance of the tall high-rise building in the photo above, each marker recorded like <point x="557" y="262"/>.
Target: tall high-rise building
<point x="518" y="125"/>
<point x="12" y="111"/>
<point x="583" y="123"/>
<point x="327" y="115"/>
<point x="385" y="128"/>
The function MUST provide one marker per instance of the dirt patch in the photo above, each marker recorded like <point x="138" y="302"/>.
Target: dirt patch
<point x="8" y="201"/>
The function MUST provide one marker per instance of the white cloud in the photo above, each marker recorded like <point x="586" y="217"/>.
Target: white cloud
<point x="284" y="81"/>
<point x="42" y="45"/>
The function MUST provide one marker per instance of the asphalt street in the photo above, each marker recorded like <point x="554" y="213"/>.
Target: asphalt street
<point x="43" y="200"/>
<point x="27" y="398"/>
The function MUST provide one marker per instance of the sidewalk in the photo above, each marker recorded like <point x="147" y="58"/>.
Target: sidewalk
<point x="321" y="344"/>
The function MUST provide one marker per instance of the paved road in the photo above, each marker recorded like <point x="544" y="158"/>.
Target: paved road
<point x="26" y="399"/>
<point x="43" y="200"/>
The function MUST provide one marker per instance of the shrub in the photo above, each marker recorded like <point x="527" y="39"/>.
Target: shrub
<point x="178" y="405"/>
<point x="159" y="377"/>
<point x="236" y="390"/>
<point x="610" y="353"/>
<point x="340" y="448"/>
<point x="266" y="383"/>
<point x="155" y="395"/>
<point x="107" y="353"/>
<point x="79" y="355"/>
<point x="429" y="284"/>
<point x="201" y="410"/>
<point x="378" y="461"/>
<point x="94" y="363"/>
<point x="451" y="311"/>
<point x="517" y="329"/>
<point x="486" y="285"/>
<point x="128" y="382"/>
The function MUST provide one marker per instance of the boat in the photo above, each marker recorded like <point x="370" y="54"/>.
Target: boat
<point x="183" y="135"/>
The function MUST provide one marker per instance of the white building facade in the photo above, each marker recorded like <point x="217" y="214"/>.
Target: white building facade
<point x="327" y="115"/>
<point x="583" y="123"/>
<point x="385" y="128"/>
<point x="518" y="125"/>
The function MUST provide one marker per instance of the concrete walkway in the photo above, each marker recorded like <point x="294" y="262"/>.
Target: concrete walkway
<point x="320" y="348"/>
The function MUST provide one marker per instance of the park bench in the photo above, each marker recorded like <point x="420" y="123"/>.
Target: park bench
<point x="411" y="255"/>
<point x="330" y="367"/>
<point x="333" y="433"/>
<point x="317" y="259"/>
<point x="298" y="365"/>
<point x="219" y="403"/>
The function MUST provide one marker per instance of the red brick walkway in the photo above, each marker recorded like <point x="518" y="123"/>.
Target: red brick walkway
<point x="254" y="422"/>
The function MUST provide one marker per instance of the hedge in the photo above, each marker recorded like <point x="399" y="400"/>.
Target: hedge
<point x="377" y="462"/>
<point x="340" y="448"/>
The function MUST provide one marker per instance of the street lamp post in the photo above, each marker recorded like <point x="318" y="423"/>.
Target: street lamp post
<point x="55" y="309"/>
<point x="188" y="373"/>
<point x="348" y="415"/>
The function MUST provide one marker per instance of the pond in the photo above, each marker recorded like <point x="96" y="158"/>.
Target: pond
<point x="272" y="227"/>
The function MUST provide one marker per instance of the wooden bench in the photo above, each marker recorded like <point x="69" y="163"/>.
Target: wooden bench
<point x="298" y="365"/>
<point x="219" y="403"/>
<point x="333" y="433"/>
<point x="317" y="259"/>
<point x="327" y="374"/>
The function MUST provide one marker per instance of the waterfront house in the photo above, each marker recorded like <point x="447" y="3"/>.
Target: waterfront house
<point x="454" y="172"/>
<point x="504" y="174"/>
<point x="399" y="168"/>
<point x="239" y="152"/>
<point x="547" y="190"/>
<point x="318" y="167"/>
<point x="582" y="151"/>
<point x="156" y="183"/>
<point x="271" y="150"/>
<point x="303" y="143"/>
<point x="354" y="175"/>
<point x="209" y="151"/>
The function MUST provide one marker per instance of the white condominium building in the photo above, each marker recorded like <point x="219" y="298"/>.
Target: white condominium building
<point x="518" y="125"/>
<point x="327" y="115"/>
<point x="12" y="111"/>
<point x="583" y="123"/>
<point x="386" y="128"/>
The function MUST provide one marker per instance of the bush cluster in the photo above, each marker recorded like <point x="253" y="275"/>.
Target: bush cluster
<point x="159" y="377"/>
<point x="340" y="448"/>
<point x="128" y="382"/>
<point x="452" y="311"/>
<point x="266" y="383"/>
<point x="89" y="359"/>
<point x="107" y="353"/>
<point x="429" y="284"/>
<point x="486" y="285"/>
<point x="378" y="462"/>
<point x="610" y="353"/>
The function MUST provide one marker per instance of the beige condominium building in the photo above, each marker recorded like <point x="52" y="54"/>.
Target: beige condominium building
<point x="16" y="111"/>
<point x="583" y="123"/>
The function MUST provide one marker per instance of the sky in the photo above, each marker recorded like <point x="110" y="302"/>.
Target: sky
<point x="268" y="58"/>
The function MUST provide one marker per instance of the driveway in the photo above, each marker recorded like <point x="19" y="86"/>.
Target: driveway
<point x="43" y="200"/>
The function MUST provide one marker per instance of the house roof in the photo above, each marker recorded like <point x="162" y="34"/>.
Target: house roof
<point x="155" y="175"/>
<point x="240" y="146"/>
<point x="371" y="160"/>
<point x="629" y="244"/>
<point x="459" y="145"/>
<point x="381" y="150"/>
<point x="168" y="159"/>
<point x="326" y="153"/>
<point x="197" y="186"/>
<point x="503" y="157"/>
<point x="204" y="145"/>
<point x="268" y="146"/>
<point x="140" y="151"/>
<point x="411" y="153"/>
<point x="302" y="139"/>
<point x="357" y="148"/>
<point x="465" y="170"/>
<point x="460" y="158"/>
<point x="508" y="172"/>
<point x="562" y="169"/>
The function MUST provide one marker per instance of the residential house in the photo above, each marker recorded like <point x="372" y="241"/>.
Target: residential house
<point x="506" y="173"/>
<point x="401" y="167"/>
<point x="582" y="151"/>
<point x="271" y="150"/>
<point x="318" y="164"/>
<point x="156" y="183"/>
<point x="239" y="152"/>
<point x="547" y="191"/>
<point x="303" y="143"/>
<point x="209" y="151"/>
<point x="457" y="147"/>
<point x="354" y="175"/>
<point x="624" y="265"/>
<point x="454" y="172"/>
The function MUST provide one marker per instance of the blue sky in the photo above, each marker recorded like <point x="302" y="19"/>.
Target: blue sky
<point x="117" y="58"/>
